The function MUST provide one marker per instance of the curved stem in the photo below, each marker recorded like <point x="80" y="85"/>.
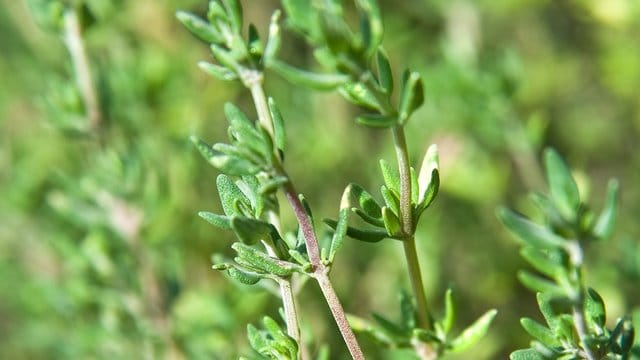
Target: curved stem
<point x="75" y="45"/>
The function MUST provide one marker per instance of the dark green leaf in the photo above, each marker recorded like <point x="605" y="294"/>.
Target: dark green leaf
<point x="411" y="96"/>
<point x="378" y="222"/>
<point x="385" y="77"/>
<point x="199" y="27"/>
<point x="530" y="233"/>
<point x="271" y="185"/>
<point x="391" y="222"/>
<point x="564" y="191"/>
<point x="377" y="120"/>
<point x="240" y="152"/>
<point x="359" y="234"/>
<point x="388" y="326"/>
<point x="257" y="339"/>
<point x="254" y="44"/>
<point x="366" y="201"/>
<point x="473" y="333"/>
<point x="308" y="79"/>
<point x="278" y="126"/>
<point x="606" y="221"/>
<point x="594" y="309"/>
<point x="302" y="17"/>
<point x="373" y="20"/>
<point x="250" y="231"/>
<point x="216" y="220"/>
<point x="539" y="332"/>
<point x="245" y="277"/>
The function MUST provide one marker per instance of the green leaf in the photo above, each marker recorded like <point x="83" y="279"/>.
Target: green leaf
<point x="390" y="199"/>
<point x="550" y="266"/>
<point x="528" y="232"/>
<point x="606" y="221"/>
<point x="229" y="192"/>
<point x="385" y="76"/>
<point x="234" y="12"/>
<point x="526" y="354"/>
<point x="250" y="231"/>
<point x="274" y="40"/>
<point x="358" y="94"/>
<point x="377" y="120"/>
<point x="239" y="152"/>
<point x="257" y="339"/>
<point x="217" y="71"/>
<point x="254" y="44"/>
<point x="302" y="17"/>
<point x="278" y="126"/>
<point x="341" y="226"/>
<point x="411" y="96"/>
<point x="216" y="220"/>
<point x="360" y="234"/>
<point x="547" y="310"/>
<point x="366" y="201"/>
<point x="336" y="32"/>
<point x="308" y="79"/>
<point x="244" y="277"/>
<point x="428" y="181"/>
<point x="199" y="27"/>
<point x="388" y="326"/>
<point x="449" y="312"/>
<point x="242" y="129"/>
<point x="376" y="333"/>
<point x="391" y="222"/>
<point x="539" y="332"/>
<point x="594" y="309"/>
<point x="473" y="333"/>
<point x="415" y="190"/>
<point x="261" y="261"/>
<point x="391" y="177"/>
<point x="281" y="337"/>
<point x="538" y="284"/>
<point x="564" y="191"/>
<point x="372" y="23"/>
<point x="225" y="57"/>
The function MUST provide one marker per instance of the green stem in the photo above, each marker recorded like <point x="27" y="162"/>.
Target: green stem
<point x="75" y="45"/>
<point x="424" y="319"/>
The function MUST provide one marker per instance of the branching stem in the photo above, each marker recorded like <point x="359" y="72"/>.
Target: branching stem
<point x="75" y="44"/>
<point x="253" y="80"/>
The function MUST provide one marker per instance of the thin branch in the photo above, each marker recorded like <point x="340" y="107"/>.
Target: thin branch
<point x="75" y="44"/>
<point x="424" y="320"/>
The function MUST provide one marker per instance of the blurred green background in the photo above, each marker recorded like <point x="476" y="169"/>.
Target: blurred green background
<point x="102" y="254"/>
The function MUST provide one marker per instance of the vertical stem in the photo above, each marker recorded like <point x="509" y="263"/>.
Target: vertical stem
<point x="406" y="219"/>
<point x="290" y="312"/>
<point x="424" y="320"/>
<point x="79" y="58"/>
<point x="405" y="180"/>
<point x="581" y="329"/>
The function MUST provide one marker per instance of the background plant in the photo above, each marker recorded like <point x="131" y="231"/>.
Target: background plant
<point x="502" y="80"/>
<point x="575" y="314"/>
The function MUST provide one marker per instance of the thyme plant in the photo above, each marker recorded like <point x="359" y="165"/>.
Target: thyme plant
<point x="575" y="314"/>
<point x="253" y="170"/>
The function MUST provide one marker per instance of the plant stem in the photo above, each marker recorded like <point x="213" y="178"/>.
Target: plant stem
<point x="424" y="320"/>
<point x="290" y="312"/>
<point x="581" y="330"/>
<point x="75" y="45"/>
<point x="253" y="80"/>
<point x="406" y="214"/>
<point x="320" y="271"/>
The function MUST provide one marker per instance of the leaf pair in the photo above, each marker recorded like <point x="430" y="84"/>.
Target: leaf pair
<point x="385" y="219"/>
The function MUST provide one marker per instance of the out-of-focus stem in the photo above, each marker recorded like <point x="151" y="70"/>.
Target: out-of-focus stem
<point x="75" y="44"/>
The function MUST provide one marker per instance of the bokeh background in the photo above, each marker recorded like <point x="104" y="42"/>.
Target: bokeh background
<point x="102" y="254"/>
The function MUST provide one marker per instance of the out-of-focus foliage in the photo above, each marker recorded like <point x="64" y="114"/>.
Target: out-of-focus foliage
<point x="501" y="80"/>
